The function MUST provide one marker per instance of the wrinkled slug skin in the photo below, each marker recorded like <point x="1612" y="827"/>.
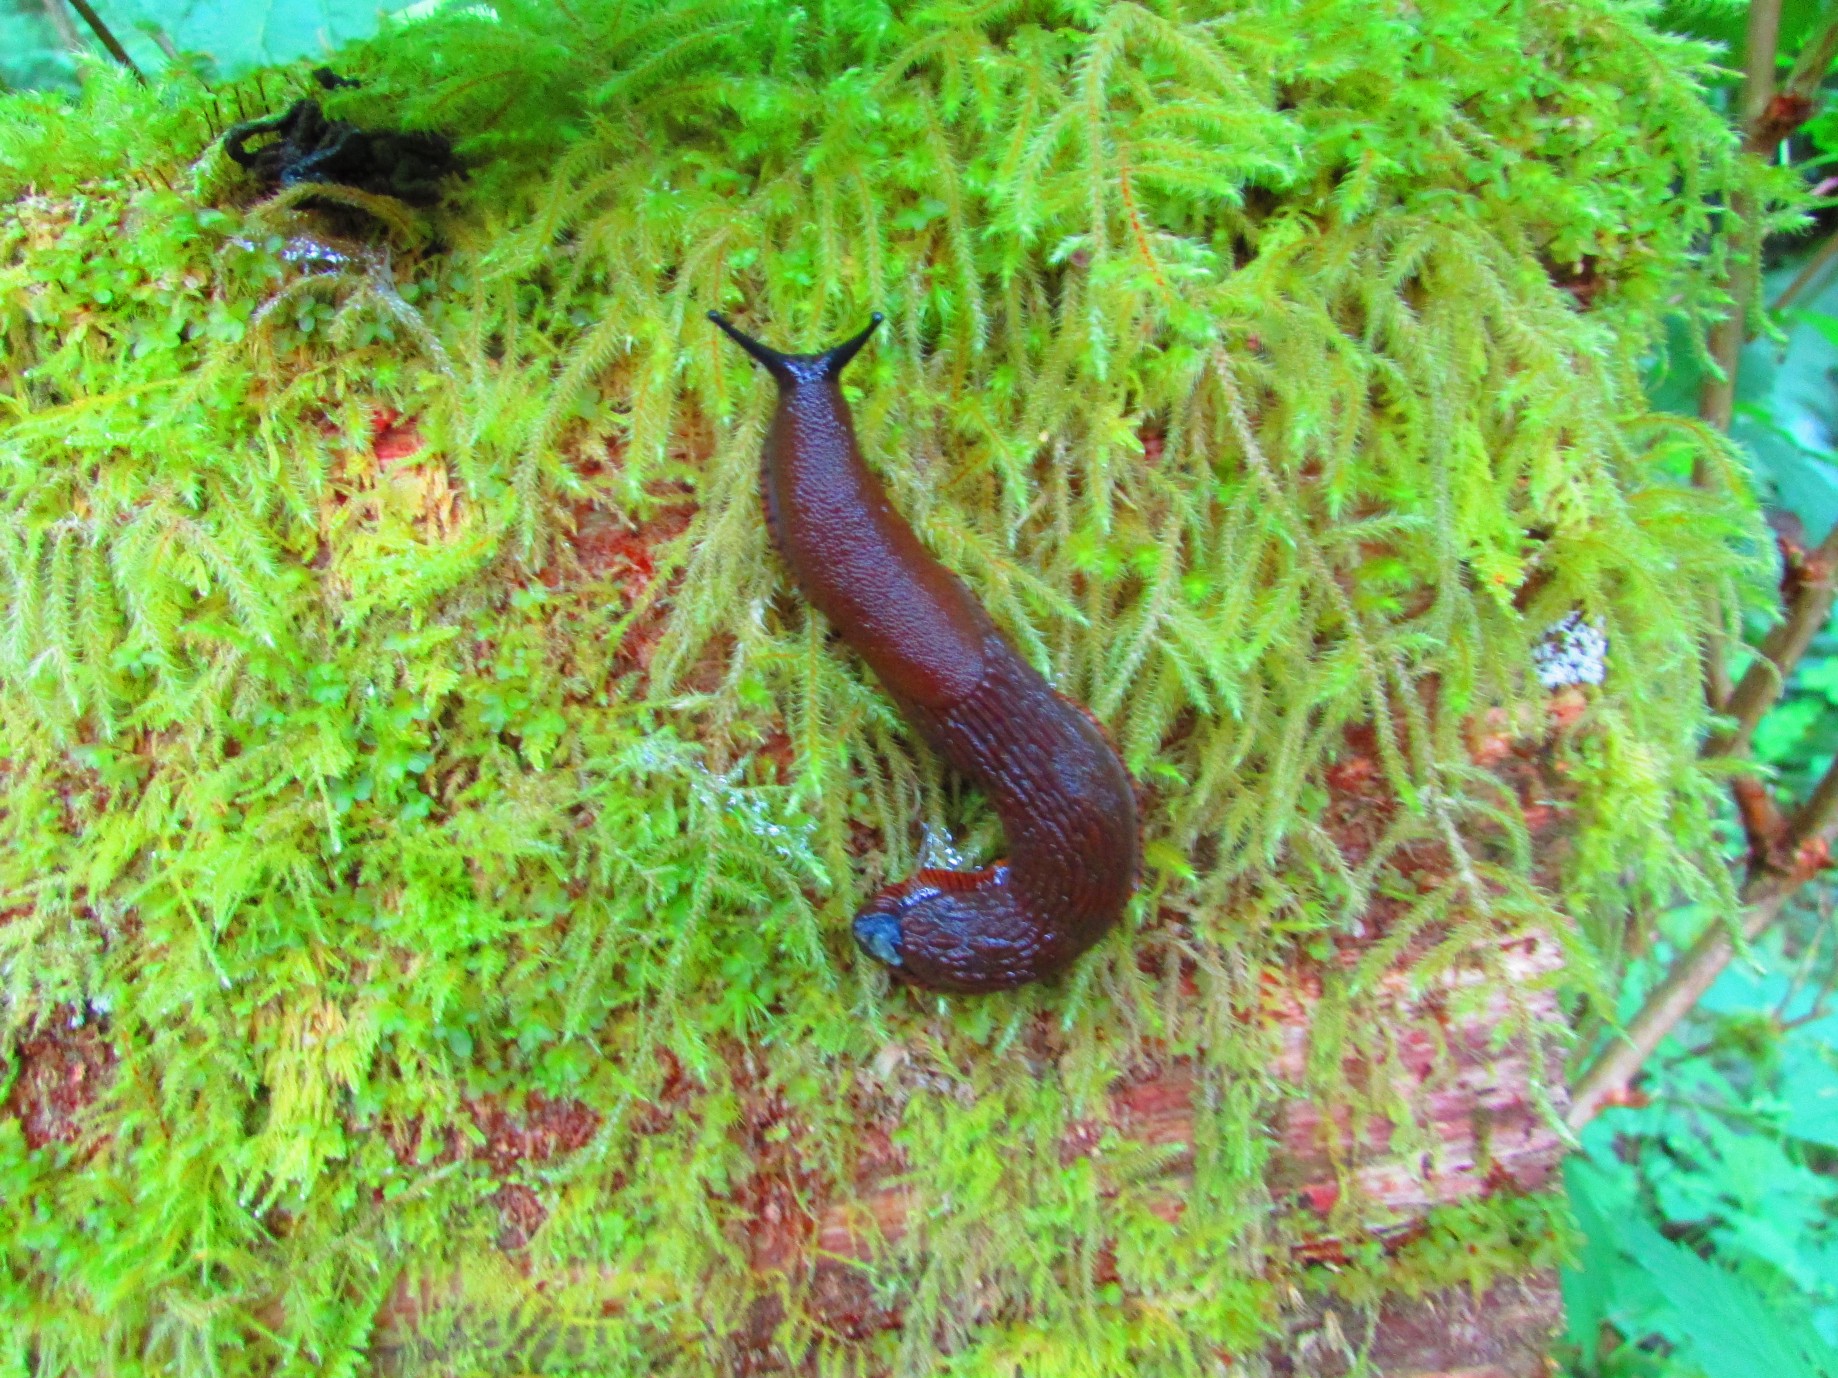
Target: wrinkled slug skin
<point x="1056" y="782"/>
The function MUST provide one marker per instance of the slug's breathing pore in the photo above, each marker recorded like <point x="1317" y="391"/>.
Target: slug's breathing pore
<point x="1059" y="787"/>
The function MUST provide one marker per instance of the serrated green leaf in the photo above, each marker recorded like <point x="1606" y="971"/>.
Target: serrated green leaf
<point x="1729" y="1326"/>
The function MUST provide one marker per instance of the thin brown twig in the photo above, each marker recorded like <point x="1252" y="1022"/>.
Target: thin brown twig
<point x="60" y="20"/>
<point x="1782" y="649"/>
<point x="1717" y="397"/>
<point x="1606" y="1081"/>
<point x="1815" y="265"/>
<point x="1828" y="978"/>
<point x="1789" y="107"/>
<point x="1807" y="843"/>
<point x="1786" y="111"/>
<point x="1762" y="824"/>
<point x="1810" y="822"/>
<point x="1819" y="1010"/>
<point x="1716" y="402"/>
<point x="1783" y="854"/>
<point x="107" y="38"/>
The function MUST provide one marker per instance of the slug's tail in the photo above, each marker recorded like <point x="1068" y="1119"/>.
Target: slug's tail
<point x="799" y="368"/>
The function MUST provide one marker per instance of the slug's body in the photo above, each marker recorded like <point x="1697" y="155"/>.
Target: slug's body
<point x="1054" y="779"/>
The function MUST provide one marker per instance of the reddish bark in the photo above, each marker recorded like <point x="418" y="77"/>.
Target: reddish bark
<point x="58" y="1072"/>
<point x="1475" y="1102"/>
<point x="1503" y="1333"/>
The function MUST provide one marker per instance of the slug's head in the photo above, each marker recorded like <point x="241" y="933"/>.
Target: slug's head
<point x="952" y="931"/>
<point x="794" y="369"/>
<point x="878" y="932"/>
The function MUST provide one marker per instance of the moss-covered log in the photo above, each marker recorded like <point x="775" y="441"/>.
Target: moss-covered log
<point x="430" y="823"/>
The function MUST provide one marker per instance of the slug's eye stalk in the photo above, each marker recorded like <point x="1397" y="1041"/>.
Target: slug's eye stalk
<point x="837" y="359"/>
<point x="799" y="368"/>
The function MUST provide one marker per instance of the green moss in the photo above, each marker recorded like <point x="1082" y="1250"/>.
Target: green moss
<point x="1227" y="367"/>
<point x="1466" y="1244"/>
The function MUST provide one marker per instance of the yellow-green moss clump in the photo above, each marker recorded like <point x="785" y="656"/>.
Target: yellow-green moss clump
<point x="354" y="795"/>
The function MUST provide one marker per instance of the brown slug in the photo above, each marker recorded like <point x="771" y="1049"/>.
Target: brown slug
<point x="1058" y="785"/>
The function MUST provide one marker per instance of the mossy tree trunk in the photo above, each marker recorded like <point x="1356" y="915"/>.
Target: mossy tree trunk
<point x="430" y="821"/>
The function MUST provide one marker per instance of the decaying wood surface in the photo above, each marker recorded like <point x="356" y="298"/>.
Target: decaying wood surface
<point x="1503" y="1333"/>
<point x="1490" y="1134"/>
